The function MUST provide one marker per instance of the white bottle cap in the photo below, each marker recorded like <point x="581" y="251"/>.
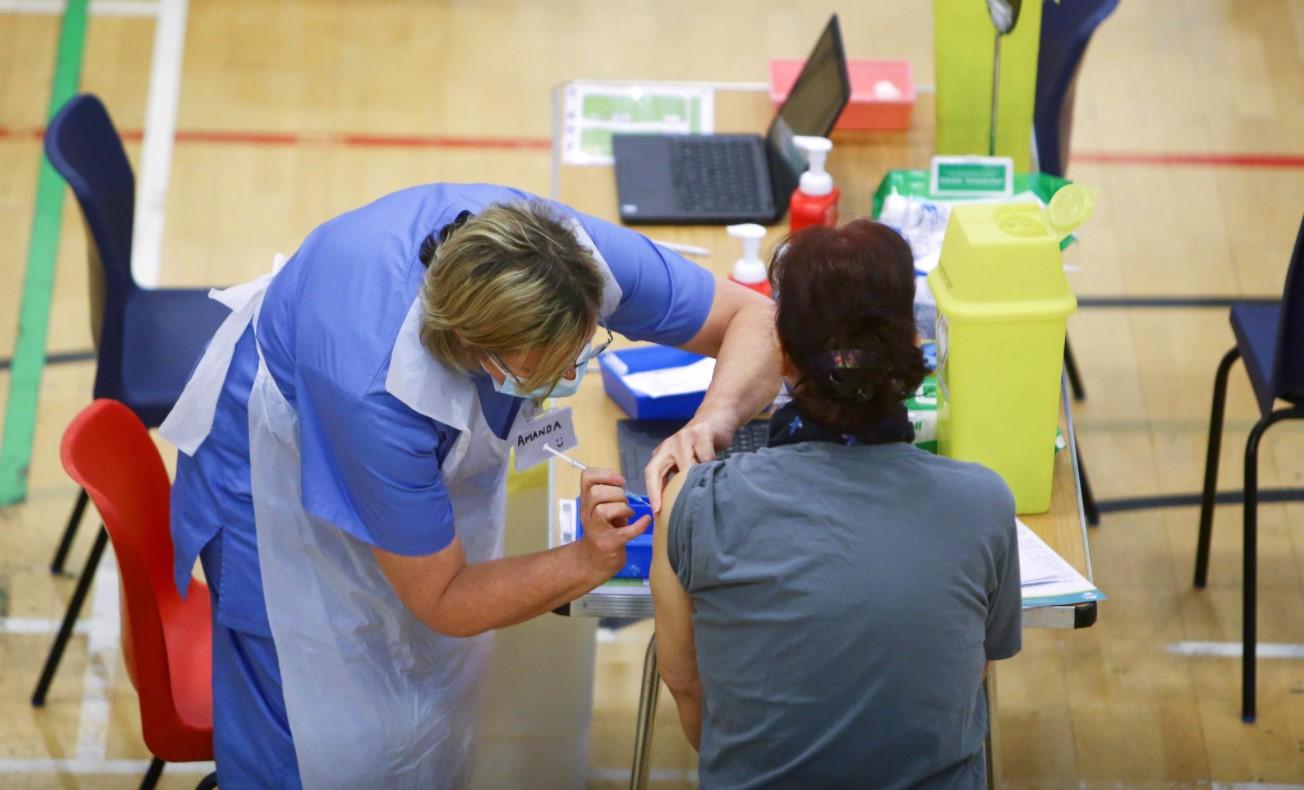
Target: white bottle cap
<point x="815" y="181"/>
<point x="749" y="269"/>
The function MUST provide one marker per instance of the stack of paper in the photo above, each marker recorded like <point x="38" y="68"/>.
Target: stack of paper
<point x="673" y="381"/>
<point x="1047" y="579"/>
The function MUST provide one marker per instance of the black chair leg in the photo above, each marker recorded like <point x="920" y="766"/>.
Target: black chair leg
<point x="1088" y="499"/>
<point x="69" y="532"/>
<point x="1249" y="601"/>
<point x="70" y="618"/>
<point x="208" y="782"/>
<point x="1075" y="378"/>
<point x="1211" y="466"/>
<point x="152" y="775"/>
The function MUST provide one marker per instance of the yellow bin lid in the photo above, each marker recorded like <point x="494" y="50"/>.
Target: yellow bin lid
<point x="1001" y="261"/>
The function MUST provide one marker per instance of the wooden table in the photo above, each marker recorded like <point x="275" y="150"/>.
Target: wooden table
<point x="858" y="163"/>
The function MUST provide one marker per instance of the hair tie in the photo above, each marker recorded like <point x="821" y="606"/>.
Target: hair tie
<point x="850" y="391"/>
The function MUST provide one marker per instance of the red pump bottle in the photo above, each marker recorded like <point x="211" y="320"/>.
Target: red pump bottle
<point x="815" y="200"/>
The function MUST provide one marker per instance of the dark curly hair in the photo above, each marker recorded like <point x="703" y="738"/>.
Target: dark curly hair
<point x="846" y="321"/>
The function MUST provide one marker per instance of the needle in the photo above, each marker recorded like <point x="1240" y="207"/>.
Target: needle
<point x="582" y="467"/>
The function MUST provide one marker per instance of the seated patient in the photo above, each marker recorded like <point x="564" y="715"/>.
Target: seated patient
<point x="825" y="607"/>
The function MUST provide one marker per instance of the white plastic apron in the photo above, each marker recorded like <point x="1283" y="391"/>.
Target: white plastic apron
<point x="374" y="697"/>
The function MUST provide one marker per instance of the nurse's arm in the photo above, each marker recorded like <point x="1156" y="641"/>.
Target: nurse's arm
<point x="739" y="333"/>
<point x="455" y="598"/>
<point x="676" y="648"/>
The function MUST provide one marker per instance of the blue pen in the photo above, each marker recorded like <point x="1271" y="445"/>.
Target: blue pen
<point x="582" y="467"/>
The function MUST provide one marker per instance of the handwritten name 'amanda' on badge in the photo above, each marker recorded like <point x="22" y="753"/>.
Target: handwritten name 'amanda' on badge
<point x="555" y="428"/>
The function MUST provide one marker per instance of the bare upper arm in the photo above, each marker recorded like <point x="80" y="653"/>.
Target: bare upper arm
<point x="420" y="582"/>
<point x="676" y="648"/>
<point x="730" y="298"/>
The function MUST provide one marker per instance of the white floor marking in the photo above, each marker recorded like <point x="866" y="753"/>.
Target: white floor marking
<point x="156" y="150"/>
<point x="101" y="663"/>
<point x="38" y="626"/>
<point x="79" y="766"/>
<point x="1233" y="650"/>
<point x="142" y="8"/>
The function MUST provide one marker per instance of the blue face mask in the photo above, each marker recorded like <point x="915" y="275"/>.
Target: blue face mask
<point x="511" y="385"/>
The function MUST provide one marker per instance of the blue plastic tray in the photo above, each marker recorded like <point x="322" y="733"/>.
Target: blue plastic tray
<point x="615" y="365"/>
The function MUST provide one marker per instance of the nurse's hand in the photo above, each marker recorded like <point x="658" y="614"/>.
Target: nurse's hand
<point x="605" y="514"/>
<point x="696" y="442"/>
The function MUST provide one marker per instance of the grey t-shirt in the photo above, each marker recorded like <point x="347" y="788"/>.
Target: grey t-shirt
<point x="844" y="602"/>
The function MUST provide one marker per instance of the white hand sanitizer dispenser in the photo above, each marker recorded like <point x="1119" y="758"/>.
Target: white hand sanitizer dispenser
<point x="749" y="270"/>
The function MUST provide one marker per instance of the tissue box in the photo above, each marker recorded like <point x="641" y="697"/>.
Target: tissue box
<point x="921" y="408"/>
<point x="882" y="93"/>
<point x="618" y="366"/>
<point x="638" y="552"/>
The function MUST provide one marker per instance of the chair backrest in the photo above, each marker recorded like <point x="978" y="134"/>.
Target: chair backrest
<point x="1288" y="368"/>
<point x="108" y="451"/>
<point x="1066" y="28"/>
<point x="84" y="147"/>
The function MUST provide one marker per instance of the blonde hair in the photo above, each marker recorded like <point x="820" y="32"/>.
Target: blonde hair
<point x="511" y="279"/>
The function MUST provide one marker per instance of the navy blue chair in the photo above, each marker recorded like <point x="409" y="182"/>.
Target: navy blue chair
<point x="147" y="340"/>
<point x="1066" y="29"/>
<point x="1270" y="338"/>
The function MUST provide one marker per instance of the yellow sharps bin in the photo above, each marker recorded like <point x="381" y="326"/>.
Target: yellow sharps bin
<point x="1002" y="307"/>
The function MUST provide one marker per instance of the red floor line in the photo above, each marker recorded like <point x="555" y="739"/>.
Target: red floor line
<point x="353" y="140"/>
<point x="368" y="140"/>
<point x="1272" y="161"/>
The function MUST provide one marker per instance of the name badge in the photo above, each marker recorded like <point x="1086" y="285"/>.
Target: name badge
<point x="554" y="428"/>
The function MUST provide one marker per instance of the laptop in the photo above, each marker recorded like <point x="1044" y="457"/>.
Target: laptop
<point x="727" y="178"/>
<point x="638" y="439"/>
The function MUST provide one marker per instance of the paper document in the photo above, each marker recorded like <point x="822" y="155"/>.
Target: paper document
<point x="673" y="381"/>
<point x="1047" y="579"/>
<point x="593" y="110"/>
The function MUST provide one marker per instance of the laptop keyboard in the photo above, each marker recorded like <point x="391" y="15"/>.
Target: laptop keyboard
<point x="748" y="439"/>
<point x="637" y="439"/>
<point x="711" y="174"/>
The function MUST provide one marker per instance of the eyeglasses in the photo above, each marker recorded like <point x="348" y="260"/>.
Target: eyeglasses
<point x="586" y="356"/>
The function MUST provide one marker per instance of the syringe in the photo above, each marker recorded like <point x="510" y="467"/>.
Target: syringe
<point x="582" y="467"/>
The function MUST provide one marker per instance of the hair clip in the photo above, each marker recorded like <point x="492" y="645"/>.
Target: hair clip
<point x="853" y="359"/>
<point x="434" y="238"/>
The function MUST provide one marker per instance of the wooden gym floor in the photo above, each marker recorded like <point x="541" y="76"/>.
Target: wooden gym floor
<point x="1190" y="117"/>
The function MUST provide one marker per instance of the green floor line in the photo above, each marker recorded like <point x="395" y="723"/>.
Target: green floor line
<point x="38" y="284"/>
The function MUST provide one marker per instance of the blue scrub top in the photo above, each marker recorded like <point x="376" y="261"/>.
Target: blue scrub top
<point x="371" y="465"/>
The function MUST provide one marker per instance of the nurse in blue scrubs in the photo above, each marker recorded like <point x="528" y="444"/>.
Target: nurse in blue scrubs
<point x="342" y="466"/>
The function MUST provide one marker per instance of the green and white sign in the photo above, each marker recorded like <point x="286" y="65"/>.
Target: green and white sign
<point x="592" y="111"/>
<point x="972" y="176"/>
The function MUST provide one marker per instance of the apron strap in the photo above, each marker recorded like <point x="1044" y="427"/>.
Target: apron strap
<point x="191" y="419"/>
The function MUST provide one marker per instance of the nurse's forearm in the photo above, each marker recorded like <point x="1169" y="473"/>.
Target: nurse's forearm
<point x="457" y="599"/>
<point x="747" y="368"/>
<point x="505" y="592"/>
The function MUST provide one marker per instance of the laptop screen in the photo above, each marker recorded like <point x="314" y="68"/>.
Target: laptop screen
<point x="814" y="104"/>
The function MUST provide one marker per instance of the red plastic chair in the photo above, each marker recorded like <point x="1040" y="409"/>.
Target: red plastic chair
<point x="166" y="640"/>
